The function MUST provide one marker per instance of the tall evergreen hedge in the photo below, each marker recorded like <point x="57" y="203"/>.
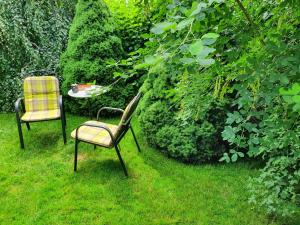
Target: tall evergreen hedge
<point x="92" y="42"/>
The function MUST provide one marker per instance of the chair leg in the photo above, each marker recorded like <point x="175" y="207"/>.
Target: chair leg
<point x="20" y="132"/>
<point x="134" y="137"/>
<point x="75" y="155"/>
<point x="121" y="160"/>
<point x="63" y="127"/>
<point x="64" y="115"/>
<point x="28" y="126"/>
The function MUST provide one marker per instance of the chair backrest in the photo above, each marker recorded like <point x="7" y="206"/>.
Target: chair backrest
<point x="41" y="93"/>
<point x="128" y="113"/>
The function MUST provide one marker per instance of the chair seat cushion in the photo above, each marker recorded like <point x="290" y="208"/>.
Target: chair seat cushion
<point x="95" y="135"/>
<point x="41" y="115"/>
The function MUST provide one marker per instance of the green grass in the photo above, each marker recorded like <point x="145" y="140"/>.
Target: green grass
<point x="38" y="185"/>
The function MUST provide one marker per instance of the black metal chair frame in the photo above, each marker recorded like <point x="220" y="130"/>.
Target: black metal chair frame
<point x="20" y="102"/>
<point x="115" y="142"/>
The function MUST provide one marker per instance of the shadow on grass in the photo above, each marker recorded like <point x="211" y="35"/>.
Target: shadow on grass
<point x="43" y="141"/>
<point x="106" y="169"/>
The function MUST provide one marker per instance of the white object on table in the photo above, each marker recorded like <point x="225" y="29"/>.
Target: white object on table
<point x="92" y="91"/>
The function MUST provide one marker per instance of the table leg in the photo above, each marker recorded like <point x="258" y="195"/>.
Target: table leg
<point x="90" y="106"/>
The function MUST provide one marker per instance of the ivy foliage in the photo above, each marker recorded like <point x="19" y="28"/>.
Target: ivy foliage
<point x="32" y="36"/>
<point x="92" y="43"/>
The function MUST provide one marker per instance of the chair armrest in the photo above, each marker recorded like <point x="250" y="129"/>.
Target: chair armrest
<point x="61" y="103"/>
<point x="109" y="109"/>
<point x="17" y="105"/>
<point x="60" y="100"/>
<point x="98" y="126"/>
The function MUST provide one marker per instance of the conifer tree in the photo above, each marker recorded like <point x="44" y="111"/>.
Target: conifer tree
<point x="92" y="42"/>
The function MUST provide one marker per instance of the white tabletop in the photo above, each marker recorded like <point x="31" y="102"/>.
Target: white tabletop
<point x="93" y="91"/>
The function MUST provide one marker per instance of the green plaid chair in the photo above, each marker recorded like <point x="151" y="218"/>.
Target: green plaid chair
<point x="41" y="102"/>
<point x="107" y="135"/>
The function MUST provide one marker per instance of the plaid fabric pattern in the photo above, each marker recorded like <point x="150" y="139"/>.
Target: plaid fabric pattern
<point x="41" y="93"/>
<point x="41" y="97"/>
<point x="96" y="135"/>
<point x="130" y="109"/>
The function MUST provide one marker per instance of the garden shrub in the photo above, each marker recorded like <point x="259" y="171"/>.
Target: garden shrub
<point x="168" y="128"/>
<point x="134" y="20"/>
<point x="249" y="71"/>
<point x="178" y="113"/>
<point x="92" y="43"/>
<point x="131" y="23"/>
<point x="264" y="122"/>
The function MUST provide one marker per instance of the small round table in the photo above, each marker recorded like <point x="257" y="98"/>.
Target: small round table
<point x="93" y="91"/>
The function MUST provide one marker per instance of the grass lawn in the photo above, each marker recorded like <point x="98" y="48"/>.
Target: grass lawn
<point x="38" y="185"/>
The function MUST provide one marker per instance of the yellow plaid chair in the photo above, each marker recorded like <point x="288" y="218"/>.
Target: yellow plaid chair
<point x="42" y="102"/>
<point x="104" y="134"/>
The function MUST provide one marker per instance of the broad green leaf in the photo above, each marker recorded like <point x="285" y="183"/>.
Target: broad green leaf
<point x="141" y="66"/>
<point x="296" y="108"/>
<point x="255" y="140"/>
<point x="150" y="60"/>
<point x="284" y="80"/>
<point x="118" y="74"/>
<point x="228" y="134"/>
<point x="205" y="52"/>
<point x="196" y="47"/>
<point x="206" y="62"/>
<point x="234" y="157"/>
<point x="199" y="8"/>
<point x="184" y="23"/>
<point x="111" y="62"/>
<point x="296" y="98"/>
<point x="187" y="60"/>
<point x="209" y="38"/>
<point x="234" y="117"/>
<point x="232" y="151"/>
<point x="225" y="157"/>
<point x="196" y="26"/>
<point x="241" y="154"/>
<point x="160" y="28"/>
<point x="292" y="91"/>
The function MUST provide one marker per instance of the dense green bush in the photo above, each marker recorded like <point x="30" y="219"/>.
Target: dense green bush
<point x="32" y="36"/>
<point x="131" y="23"/>
<point x="93" y="42"/>
<point x="176" y="114"/>
<point x="167" y="127"/>
<point x="265" y="118"/>
<point x="256" y="57"/>
<point x="134" y="20"/>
